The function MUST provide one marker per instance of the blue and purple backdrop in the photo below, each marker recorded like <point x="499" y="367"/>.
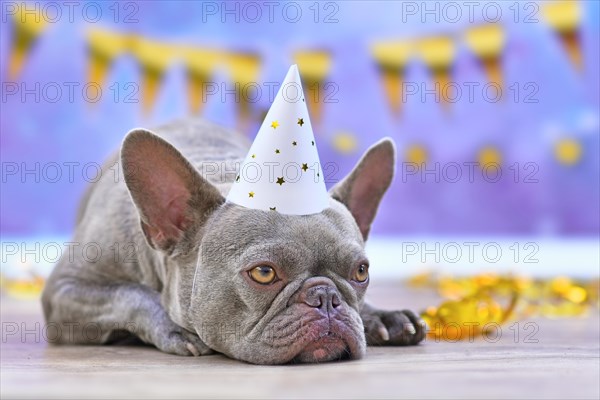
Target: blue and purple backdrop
<point x="541" y="132"/>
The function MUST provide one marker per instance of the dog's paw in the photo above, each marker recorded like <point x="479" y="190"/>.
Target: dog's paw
<point x="173" y="339"/>
<point x="184" y="343"/>
<point x="393" y="328"/>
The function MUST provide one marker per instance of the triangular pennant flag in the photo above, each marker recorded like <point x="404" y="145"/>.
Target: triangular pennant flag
<point x="438" y="54"/>
<point x="315" y="66"/>
<point x="26" y="30"/>
<point x="104" y="47"/>
<point x="565" y="18"/>
<point x="154" y="59"/>
<point x="487" y="42"/>
<point x="282" y="172"/>
<point x="244" y="69"/>
<point x="391" y="60"/>
<point x="200" y="66"/>
<point x="195" y="87"/>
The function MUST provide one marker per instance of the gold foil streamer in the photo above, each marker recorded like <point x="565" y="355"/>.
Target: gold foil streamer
<point x="492" y="299"/>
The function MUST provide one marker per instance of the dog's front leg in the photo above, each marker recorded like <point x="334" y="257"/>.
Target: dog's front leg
<point x="91" y="314"/>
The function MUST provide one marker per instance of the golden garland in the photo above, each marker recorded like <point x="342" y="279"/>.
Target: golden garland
<point x="487" y="300"/>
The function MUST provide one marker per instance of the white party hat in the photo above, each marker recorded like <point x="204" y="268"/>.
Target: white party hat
<point x="282" y="171"/>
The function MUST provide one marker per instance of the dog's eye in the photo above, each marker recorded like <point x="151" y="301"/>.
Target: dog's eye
<point x="263" y="274"/>
<point x="362" y="273"/>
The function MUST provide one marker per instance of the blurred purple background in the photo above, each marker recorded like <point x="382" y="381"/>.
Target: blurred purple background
<point x="543" y="132"/>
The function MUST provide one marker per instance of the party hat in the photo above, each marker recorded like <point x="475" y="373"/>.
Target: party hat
<point x="282" y="172"/>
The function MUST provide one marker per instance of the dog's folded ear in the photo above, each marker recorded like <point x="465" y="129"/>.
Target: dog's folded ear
<point x="172" y="198"/>
<point x="362" y="189"/>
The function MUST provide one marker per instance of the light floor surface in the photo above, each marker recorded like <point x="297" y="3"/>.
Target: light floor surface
<point x="554" y="359"/>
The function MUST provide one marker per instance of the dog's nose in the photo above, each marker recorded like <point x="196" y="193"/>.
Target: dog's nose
<point x="322" y="297"/>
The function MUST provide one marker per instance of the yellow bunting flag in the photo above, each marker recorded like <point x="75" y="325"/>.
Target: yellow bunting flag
<point x="438" y="54"/>
<point x="154" y="58"/>
<point x="104" y="47"/>
<point x="244" y="69"/>
<point x="27" y="27"/>
<point x="314" y="67"/>
<point x="565" y="18"/>
<point x="487" y="42"/>
<point x="200" y="66"/>
<point x="391" y="58"/>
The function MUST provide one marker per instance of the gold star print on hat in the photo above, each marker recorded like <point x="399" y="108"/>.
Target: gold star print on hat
<point x="282" y="171"/>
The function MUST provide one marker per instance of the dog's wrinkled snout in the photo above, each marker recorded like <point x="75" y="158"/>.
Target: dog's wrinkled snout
<point x="324" y="297"/>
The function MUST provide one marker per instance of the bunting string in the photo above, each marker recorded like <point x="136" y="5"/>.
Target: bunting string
<point x="487" y="43"/>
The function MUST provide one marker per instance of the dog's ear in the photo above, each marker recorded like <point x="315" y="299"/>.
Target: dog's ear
<point x="172" y="198"/>
<point x="362" y="189"/>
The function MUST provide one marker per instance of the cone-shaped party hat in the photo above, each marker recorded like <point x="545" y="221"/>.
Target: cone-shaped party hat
<point x="282" y="171"/>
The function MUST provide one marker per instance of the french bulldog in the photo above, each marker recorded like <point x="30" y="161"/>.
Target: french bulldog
<point x="171" y="262"/>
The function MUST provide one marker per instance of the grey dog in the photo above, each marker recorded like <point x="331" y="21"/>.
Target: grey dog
<point x="180" y="268"/>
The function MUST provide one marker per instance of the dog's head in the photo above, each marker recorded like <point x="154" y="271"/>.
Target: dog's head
<point x="268" y="288"/>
